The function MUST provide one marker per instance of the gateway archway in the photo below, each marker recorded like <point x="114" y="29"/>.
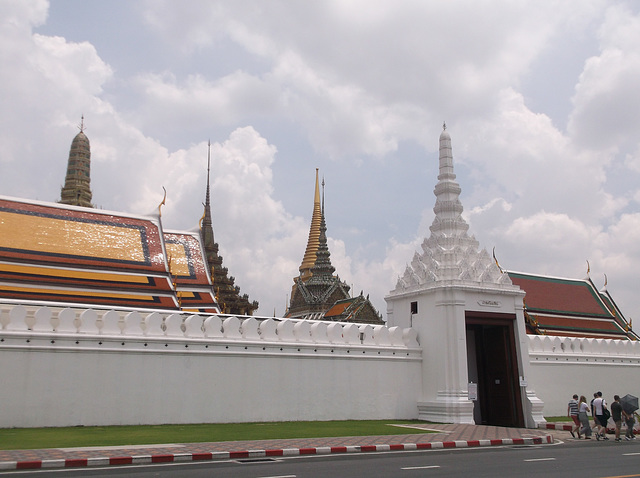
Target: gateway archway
<point x="493" y="365"/>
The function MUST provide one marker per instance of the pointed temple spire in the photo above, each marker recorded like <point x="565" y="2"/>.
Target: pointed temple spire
<point x="448" y="208"/>
<point x="309" y="258"/>
<point x="318" y="294"/>
<point x="77" y="183"/>
<point x="227" y="294"/>
<point x="450" y="253"/>
<point x="322" y="270"/>
<point x="210" y="245"/>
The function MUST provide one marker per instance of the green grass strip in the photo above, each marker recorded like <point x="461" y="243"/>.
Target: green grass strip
<point x="67" y="437"/>
<point x="559" y="419"/>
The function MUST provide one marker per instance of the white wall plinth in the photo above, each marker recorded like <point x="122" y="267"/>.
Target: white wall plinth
<point x="536" y="410"/>
<point x="447" y="409"/>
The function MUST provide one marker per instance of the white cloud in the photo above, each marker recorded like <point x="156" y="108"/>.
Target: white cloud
<point x="607" y="98"/>
<point x="196" y="100"/>
<point x="356" y="83"/>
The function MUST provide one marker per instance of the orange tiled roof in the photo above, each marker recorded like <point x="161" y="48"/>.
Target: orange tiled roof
<point x="338" y="308"/>
<point x="57" y="253"/>
<point x="189" y="271"/>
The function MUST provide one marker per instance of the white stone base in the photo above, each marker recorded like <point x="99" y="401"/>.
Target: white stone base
<point x="447" y="408"/>
<point x="535" y="418"/>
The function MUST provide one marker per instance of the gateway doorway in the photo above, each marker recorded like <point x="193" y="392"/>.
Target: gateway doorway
<point x="493" y="365"/>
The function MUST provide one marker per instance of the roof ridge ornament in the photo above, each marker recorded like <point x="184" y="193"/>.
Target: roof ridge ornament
<point x="164" y="201"/>
<point x="496" y="260"/>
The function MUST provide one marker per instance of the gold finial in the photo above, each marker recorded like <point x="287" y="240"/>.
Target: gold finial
<point x="588" y="268"/>
<point x="204" y="213"/>
<point x="496" y="260"/>
<point x="164" y="201"/>
<point x="605" y="281"/>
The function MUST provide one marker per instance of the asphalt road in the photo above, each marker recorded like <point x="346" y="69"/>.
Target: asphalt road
<point x="570" y="459"/>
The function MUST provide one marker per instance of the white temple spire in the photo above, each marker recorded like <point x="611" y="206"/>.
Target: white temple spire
<point x="450" y="253"/>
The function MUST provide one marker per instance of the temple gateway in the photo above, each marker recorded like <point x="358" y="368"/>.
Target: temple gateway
<point x="473" y="318"/>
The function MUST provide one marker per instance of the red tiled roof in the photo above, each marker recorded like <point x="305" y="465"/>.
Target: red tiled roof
<point x="560" y="295"/>
<point x="569" y="307"/>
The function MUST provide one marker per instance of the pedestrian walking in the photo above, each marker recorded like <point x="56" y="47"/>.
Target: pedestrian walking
<point x="572" y="412"/>
<point x="583" y="416"/>
<point x="616" y="414"/>
<point x="630" y="420"/>
<point x="602" y="416"/>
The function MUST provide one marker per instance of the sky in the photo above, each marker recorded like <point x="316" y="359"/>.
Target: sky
<point x="540" y="98"/>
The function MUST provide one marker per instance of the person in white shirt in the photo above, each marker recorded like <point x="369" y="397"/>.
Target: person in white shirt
<point x="599" y="407"/>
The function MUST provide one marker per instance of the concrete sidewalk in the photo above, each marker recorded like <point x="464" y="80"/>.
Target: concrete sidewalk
<point x="446" y="436"/>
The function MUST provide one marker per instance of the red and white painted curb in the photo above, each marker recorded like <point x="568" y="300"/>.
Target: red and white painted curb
<point x="567" y="427"/>
<point x="236" y="455"/>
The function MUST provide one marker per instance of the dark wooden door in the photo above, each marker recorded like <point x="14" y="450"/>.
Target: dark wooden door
<point x="498" y="386"/>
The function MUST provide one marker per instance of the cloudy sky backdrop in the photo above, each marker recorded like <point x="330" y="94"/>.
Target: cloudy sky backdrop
<point x="541" y="100"/>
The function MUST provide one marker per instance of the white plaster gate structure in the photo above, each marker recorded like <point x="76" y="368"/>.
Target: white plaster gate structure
<point x="469" y="318"/>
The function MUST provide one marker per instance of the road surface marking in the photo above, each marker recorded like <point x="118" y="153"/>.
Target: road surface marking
<point x="420" y="467"/>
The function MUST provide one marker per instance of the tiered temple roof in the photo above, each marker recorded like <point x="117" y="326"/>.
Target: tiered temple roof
<point x="354" y="309"/>
<point x="316" y="291"/>
<point x="70" y="253"/>
<point x="189" y="272"/>
<point x="67" y="254"/>
<point x="570" y="308"/>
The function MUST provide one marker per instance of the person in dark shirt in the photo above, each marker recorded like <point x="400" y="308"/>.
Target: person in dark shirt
<point x="616" y="414"/>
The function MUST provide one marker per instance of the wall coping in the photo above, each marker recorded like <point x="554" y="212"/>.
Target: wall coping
<point x="68" y="328"/>
<point x="548" y="348"/>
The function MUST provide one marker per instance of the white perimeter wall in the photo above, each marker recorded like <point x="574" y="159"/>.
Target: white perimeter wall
<point x="562" y="366"/>
<point x="60" y="368"/>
